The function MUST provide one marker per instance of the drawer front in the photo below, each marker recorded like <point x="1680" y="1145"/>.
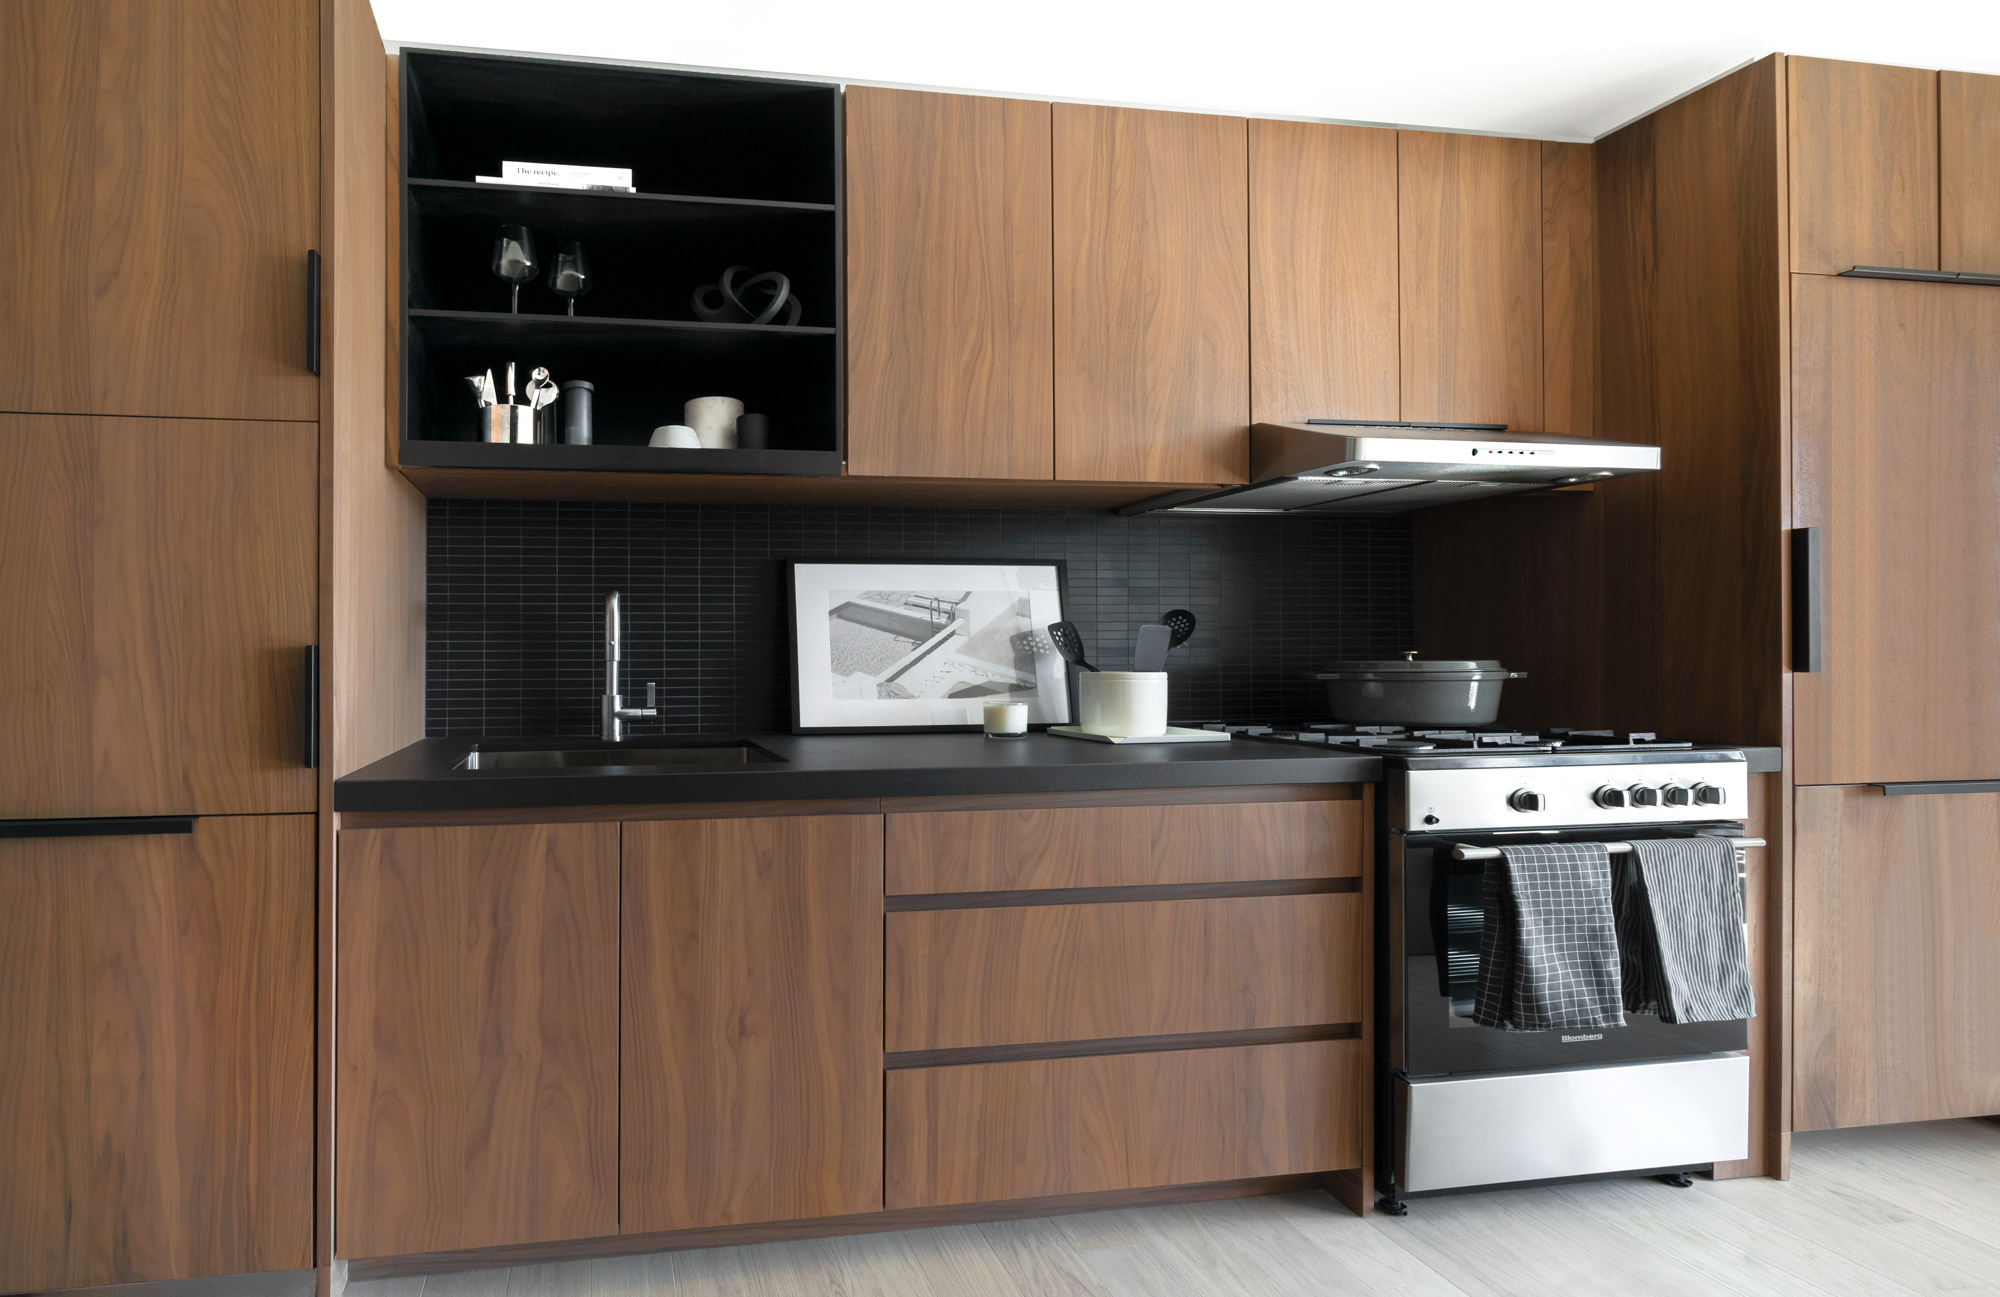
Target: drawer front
<point x="1123" y="846"/>
<point x="1039" y="973"/>
<point x="1123" y="1121"/>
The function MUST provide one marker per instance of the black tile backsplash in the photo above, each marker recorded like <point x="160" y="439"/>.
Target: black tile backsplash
<point x="516" y="602"/>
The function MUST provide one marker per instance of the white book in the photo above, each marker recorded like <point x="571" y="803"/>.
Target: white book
<point x="551" y="184"/>
<point x="566" y="175"/>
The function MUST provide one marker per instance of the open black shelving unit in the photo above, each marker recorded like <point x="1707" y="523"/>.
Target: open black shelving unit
<point x="729" y="171"/>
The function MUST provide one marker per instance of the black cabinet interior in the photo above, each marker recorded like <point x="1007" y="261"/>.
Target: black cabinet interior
<point x="729" y="171"/>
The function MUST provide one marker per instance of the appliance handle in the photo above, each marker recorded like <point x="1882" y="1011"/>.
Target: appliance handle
<point x="311" y="753"/>
<point x="1808" y="613"/>
<point x="1939" y="786"/>
<point x="312" y="310"/>
<point x="1463" y="852"/>
<point x="125" y="826"/>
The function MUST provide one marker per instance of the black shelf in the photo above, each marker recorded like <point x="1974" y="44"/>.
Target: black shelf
<point x="620" y="459"/>
<point x="732" y="171"/>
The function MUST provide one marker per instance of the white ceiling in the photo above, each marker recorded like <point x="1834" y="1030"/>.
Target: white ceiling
<point x="1556" y="69"/>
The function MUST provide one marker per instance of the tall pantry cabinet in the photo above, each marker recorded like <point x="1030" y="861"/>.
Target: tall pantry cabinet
<point x="168" y="415"/>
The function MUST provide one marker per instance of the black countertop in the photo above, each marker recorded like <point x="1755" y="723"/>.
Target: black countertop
<point x="426" y="776"/>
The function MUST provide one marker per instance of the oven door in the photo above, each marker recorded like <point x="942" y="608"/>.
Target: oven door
<point x="1435" y="920"/>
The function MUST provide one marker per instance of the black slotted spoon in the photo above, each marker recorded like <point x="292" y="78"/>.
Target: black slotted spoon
<point x="1069" y="642"/>
<point x="1182" y="623"/>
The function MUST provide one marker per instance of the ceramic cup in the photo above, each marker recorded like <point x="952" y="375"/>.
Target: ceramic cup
<point x="1006" y="720"/>
<point x="1123" y="704"/>
<point x="714" y="420"/>
<point x="675" y="436"/>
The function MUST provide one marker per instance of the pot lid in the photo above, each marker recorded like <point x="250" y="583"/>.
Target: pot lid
<point x="1409" y="663"/>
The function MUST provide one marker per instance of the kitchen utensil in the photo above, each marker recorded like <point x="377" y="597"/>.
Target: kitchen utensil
<point x="728" y="301"/>
<point x="510" y="382"/>
<point x="569" y="273"/>
<point x="1069" y="642"/>
<point x="1182" y="622"/>
<point x="714" y="420"/>
<point x="1149" y="647"/>
<point x="541" y="389"/>
<point x="578" y="397"/>
<point x="675" y="436"/>
<point x="1408" y="692"/>
<point x="1124" y="704"/>
<point x="482" y="387"/>
<point x="514" y="258"/>
<point x="753" y="432"/>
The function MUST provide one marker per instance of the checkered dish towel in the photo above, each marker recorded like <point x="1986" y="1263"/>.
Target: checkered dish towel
<point x="1548" y="958"/>
<point x="1680" y="931"/>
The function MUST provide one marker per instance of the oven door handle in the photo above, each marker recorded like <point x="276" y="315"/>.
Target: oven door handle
<point x="1463" y="852"/>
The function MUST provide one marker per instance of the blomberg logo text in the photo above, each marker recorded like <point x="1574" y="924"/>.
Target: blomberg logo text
<point x="1571" y="1040"/>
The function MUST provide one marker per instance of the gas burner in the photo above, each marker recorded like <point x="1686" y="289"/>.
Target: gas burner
<point x="1399" y="740"/>
<point x="1613" y="739"/>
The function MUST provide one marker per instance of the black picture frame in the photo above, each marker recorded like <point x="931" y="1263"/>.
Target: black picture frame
<point x="794" y="630"/>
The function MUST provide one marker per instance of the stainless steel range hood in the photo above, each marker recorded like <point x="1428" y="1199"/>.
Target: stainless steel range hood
<point x="1330" y="467"/>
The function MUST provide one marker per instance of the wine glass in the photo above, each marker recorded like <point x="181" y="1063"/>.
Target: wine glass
<point x="569" y="273"/>
<point x="514" y="258"/>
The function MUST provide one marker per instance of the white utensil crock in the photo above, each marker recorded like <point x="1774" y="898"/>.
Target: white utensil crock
<point x="1124" y="704"/>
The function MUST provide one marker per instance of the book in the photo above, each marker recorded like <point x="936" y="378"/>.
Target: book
<point x="562" y="175"/>
<point x="551" y="184"/>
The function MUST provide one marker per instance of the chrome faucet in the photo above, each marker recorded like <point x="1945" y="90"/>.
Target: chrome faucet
<point x="614" y="713"/>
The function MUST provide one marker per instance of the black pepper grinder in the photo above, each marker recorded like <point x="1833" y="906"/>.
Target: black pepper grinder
<point x="577" y="396"/>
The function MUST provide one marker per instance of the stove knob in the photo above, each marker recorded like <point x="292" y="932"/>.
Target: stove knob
<point x="1677" y="794"/>
<point x="1526" y="800"/>
<point x="1709" y="795"/>
<point x="1643" y="796"/>
<point x="1609" y="798"/>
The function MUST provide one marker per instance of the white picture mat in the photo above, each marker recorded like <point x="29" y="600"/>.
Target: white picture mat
<point x="988" y="599"/>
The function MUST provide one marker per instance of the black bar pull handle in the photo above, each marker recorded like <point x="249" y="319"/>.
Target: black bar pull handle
<point x="119" y="826"/>
<point x="312" y="310"/>
<point x="1808" y="602"/>
<point x="312" y="708"/>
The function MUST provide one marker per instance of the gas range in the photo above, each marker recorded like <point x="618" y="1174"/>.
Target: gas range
<point x="1503" y="780"/>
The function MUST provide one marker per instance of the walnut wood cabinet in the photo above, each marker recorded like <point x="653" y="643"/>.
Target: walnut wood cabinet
<point x="1470" y="278"/>
<point x="1152" y="296"/>
<point x="163" y="191"/>
<point x="156" y="1053"/>
<point x="1896" y="957"/>
<point x="1895" y="403"/>
<point x="1863" y="150"/>
<point x="752" y="1021"/>
<point x="1969" y="172"/>
<point x="950" y="371"/>
<point x="161" y="582"/>
<point x="477" y="1036"/>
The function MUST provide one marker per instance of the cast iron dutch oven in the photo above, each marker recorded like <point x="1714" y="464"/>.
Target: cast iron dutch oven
<point x="1431" y="695"/>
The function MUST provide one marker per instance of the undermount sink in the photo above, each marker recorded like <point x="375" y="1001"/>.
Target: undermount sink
<point x="632" y="758"/>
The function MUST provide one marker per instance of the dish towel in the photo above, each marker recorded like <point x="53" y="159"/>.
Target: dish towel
<point x="1682" y="949"/>
<point x="1548" y="957"/>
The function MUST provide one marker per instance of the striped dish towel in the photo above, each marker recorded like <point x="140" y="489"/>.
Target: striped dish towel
<point x="1548" y="957"/>
<point x="1682" y="949"/>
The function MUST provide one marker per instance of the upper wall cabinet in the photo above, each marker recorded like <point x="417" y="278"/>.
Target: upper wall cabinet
<point x="950" y="371"/>
<point x="1152" y="296"/>
<point x="1864" y="162"/>
<point x="162" y="194"/>
<point x="1471" y="278"/>
<point x="1969" y="172"/>
<point x="1322" y="272"/>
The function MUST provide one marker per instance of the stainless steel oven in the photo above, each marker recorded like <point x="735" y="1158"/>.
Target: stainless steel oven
<point x="1464" y="1105"/>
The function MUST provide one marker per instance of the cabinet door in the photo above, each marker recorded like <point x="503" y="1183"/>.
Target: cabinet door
<point x="752" y="1037"/>
<point x="1864" y="164"/>
<point x="1471" y="278"/>
<point x="949" y="367"/>
<point x="1895" y="403"/>
<point x="1969" y="172"/>
<point x="156" y="1054"/>
<point x="162" y="193"/>
<point x="477" y="1041"/>
<point x="1322" y="272"/>
<point x="161" y="583"/>
<point x="1152" y="296"/>
<point x="1896" y="951"/>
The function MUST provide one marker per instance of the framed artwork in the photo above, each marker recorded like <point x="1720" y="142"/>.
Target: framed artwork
<point x="923" y="644"/>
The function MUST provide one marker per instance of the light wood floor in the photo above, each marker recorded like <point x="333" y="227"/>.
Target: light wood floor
<point x="1876" y="1212"/>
